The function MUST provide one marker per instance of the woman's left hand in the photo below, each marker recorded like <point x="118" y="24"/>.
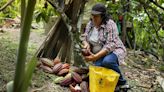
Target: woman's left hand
<point x="91" y="57"/>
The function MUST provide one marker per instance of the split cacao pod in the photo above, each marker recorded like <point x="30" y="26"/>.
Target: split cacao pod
<point x="84" y="86"/>
<point x="72" y="88"/>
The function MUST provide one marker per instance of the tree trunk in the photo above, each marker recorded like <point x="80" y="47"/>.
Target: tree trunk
<point x="61" y="40"/>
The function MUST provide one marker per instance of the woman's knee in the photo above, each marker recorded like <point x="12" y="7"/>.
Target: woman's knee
<point x="110" y="60"/>
<point x="106" y="62"/>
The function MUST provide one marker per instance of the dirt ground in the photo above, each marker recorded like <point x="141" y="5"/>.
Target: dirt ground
<point x="141" y="70"/>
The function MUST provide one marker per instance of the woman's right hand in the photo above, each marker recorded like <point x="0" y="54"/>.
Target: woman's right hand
<point x="86" y="45"/>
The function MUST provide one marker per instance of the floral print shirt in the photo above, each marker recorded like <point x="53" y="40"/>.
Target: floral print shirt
<point x="108" y="36"/>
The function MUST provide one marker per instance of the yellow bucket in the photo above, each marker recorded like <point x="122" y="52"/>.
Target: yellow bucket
<point x="102" y="79"/>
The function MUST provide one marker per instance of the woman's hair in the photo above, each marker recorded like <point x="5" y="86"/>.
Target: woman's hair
<point x="105" y="17"/>
<point x="102" y="10"/>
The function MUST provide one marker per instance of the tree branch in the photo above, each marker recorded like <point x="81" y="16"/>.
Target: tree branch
<point x="156" y="31"/>
<point x="147" y="6"/>
<point x="150" y="19"/>
<point x="155" y="3"/>
<point x="7" y="4"/>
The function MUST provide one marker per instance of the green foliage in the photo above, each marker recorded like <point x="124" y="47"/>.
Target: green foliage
<point x="146" y="22"/>
<point x="11" y="11"/>
<point x="43" y="12"/>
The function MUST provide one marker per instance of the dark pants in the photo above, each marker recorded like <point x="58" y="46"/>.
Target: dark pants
<point x="110" y="61"/>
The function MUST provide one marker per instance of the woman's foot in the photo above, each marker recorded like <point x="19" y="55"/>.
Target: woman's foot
<point x="122" y="88"/>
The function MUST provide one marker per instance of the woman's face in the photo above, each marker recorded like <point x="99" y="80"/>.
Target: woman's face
<point x="96" y="20"/>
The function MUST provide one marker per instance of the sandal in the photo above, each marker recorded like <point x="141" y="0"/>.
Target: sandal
<point x="122" y="88"/>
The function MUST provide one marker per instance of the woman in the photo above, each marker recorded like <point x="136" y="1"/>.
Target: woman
<point x="102" y="41"/>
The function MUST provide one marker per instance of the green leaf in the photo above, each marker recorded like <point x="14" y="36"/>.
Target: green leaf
<point x="19" y="85"/>
<point x="29" y="71"/>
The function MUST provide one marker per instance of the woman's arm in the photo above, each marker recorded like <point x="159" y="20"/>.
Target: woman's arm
<point x="94" y="57"/>
<point x="110" y="44"/>
<point x="85" y="35"/>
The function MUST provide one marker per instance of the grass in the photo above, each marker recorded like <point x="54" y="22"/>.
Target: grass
<point x="7" y="61"/>
<point x="8" y="55"/>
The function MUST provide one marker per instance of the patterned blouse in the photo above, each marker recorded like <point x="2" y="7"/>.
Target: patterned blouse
<point x="108" y="36"/>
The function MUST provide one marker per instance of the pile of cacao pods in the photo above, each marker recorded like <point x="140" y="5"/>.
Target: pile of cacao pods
<point x="76" y="78"/>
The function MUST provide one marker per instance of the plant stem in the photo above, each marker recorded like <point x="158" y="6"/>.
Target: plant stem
<point x="22" y="50"/>
<point x="23" y="7"/>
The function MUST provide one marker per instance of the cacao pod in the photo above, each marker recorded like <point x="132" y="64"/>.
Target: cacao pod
<point x="84" y="86"/>
<point x="63" y="72"/>
<point x="67" y="80"/>
<point x="57" y="68"/>
<point x="76" y="77"/>
<point x="73" y="69"/>
<point x="38" y="64"/>
<point x="72" y="89"/>
<point x="85" y="52"/>
<point x="85" y="77"/>
<point x="73" y="83"/>
<point x="56" y="61"/>
<point x="82" y="70"/>
<point x="58" y="79"/>
<point x="47" y="62"/>
<point x="77" y="88"/>
<point x="65" y="66"/>
<point x="46" y="69"/>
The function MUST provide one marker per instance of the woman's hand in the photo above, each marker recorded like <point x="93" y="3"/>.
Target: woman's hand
<point x="86" y="45"/>
<point x="94" y="57"/>
<point x="91" y="57"/>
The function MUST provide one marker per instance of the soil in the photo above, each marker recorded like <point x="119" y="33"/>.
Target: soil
<point x="141" y="70"/>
